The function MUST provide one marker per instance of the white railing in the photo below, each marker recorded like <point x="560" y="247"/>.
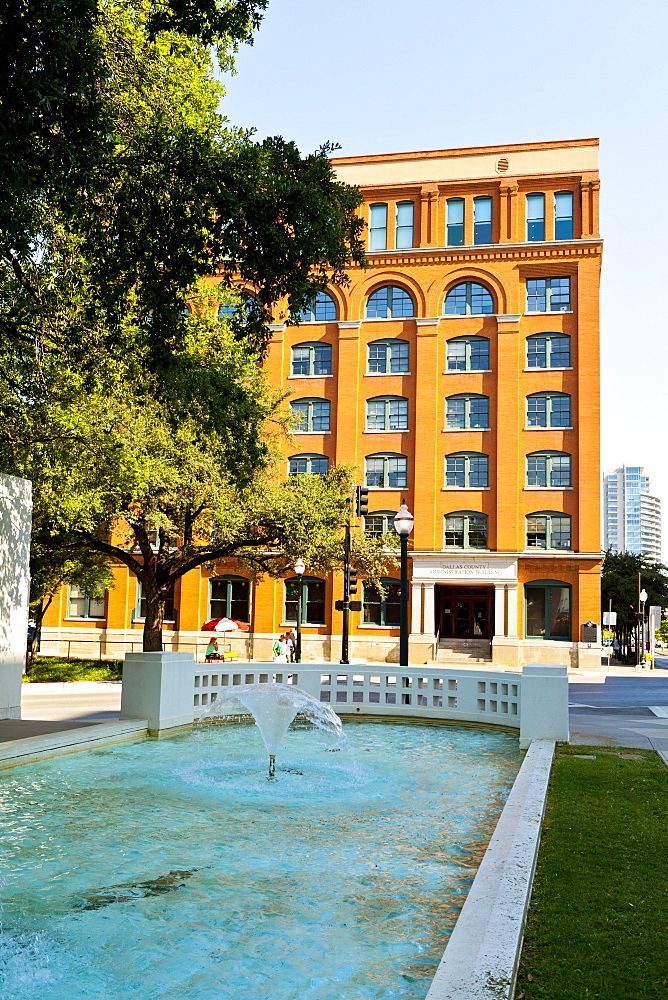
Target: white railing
<point x="170" y="689"/>
<point x="467" y="695"/>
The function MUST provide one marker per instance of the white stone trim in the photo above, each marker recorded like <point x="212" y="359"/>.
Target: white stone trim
<point x="481" y="958"/>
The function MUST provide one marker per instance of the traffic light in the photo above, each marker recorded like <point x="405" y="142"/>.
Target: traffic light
<point x="361" y="501"/>
<point x="352" y="580"/>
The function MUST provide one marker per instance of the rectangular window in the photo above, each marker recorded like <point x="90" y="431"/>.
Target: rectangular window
<point x="482" y="220"/>
<point x="80" y="605"/>
<point x="455" y="225"/>
<point x="551" y="351"/>
<point x="548" y="294"/>
<point x="404" y="233"/>
<point x="378" y="227"/>
<point x="563" y="215"/>
<point x="535" y="217"/>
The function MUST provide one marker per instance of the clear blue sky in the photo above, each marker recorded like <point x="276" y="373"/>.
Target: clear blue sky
<point x="379" y="76"/>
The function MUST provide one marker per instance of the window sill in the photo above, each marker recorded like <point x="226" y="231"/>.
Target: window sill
<point x="464" y="430"/>
<point x="535" y="551"/>
<point x="388" y="431"/>
<point x="548" y="428"/>
<point x="469" y="316"/>
<point x="309" y="433"/>
<point x="70" y="619"/>
<point x="464" y="489"/>
<point x="384" y="374"/>
<point x="550" y="312"/>
<point x="387" y="319"/>
<point x="541" y="370"/>
<point x="293" y="625"/>
<point x="165" y="621"/>
<point x="457" y="548"/>
<point x="387" y="489"/>
<point x="310" y="376"/>
<point x="546" y="489"/>
<point x="468" y="371"/>
<point x="370" y="625"/>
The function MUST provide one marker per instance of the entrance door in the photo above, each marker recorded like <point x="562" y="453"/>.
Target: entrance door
<point x="465" y="612"/>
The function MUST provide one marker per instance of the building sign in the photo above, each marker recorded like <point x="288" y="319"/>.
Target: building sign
<point x="465" y="570"/>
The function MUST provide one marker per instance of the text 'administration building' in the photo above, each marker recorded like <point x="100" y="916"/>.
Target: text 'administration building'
<point x="459" y="371"/>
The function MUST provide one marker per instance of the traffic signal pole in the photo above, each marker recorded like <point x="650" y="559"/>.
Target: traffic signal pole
<point x="360" y="499"/>
<point x="345" y="624"/>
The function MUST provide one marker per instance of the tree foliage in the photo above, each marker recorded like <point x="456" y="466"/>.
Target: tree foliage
<point x="130" y="210"/>
<point x="619" y="584"/>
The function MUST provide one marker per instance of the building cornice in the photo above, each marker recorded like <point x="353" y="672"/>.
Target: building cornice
<point x="501" y="251"/>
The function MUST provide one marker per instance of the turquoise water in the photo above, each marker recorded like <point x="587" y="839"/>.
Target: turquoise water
<point x="173" y="869"/>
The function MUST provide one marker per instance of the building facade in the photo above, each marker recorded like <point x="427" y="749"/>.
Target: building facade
<point x="458" y="371"/>
<point x="631" y="515"/>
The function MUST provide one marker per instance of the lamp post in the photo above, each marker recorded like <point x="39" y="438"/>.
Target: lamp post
<point x="642" y="597"/>
<point x="299" y="570"/>
<point x="403" y="525"/>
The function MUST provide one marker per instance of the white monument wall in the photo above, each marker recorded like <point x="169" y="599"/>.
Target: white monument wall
<point x="15" y="523"/>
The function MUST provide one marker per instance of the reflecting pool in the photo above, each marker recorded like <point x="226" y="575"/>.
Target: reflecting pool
<point x="173" y="869"/>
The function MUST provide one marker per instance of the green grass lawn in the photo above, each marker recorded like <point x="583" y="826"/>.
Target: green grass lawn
<point x="52" y="668"/>
<point x="598" y="921"/>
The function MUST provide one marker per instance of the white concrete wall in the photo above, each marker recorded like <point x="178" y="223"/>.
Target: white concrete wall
<point x="15" y="524"/>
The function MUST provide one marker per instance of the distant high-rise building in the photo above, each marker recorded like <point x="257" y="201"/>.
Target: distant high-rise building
<point x="632" y="517"/>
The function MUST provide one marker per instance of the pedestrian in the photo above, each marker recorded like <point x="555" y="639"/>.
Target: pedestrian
<point x="212" y="652"/>
<point x="291" y="643"/>
<point x="280" y="649"/>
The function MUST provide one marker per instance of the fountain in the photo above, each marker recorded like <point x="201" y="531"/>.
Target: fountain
<point x="274" y="707"/>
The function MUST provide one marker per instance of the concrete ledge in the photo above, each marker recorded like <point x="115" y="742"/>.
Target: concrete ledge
<point x="35" y="748"/>
<point x="481" y="958"/>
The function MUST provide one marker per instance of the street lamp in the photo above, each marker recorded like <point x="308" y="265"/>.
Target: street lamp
<point x="300" y="566"/>
<point x="403" y="525"/>
<point x="642" y="597"/>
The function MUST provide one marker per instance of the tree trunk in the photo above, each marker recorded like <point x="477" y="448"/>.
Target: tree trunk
<point x="38" y="617"/>
<point x="155" y="613"/>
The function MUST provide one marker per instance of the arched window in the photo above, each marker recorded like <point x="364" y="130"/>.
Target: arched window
<point x="321" y="310"/>
<point x="468" y="354"/>
<point x="549" y="409"/>
<point x="465" y="529"/>
<point x="379" y="523"/>
<point x="548" y="529"/>
<point x="468" y="299"/>
<point x="466" y="469"/>
<point x="387" y="413"/>
<point x="389" y="301"/>
<point x="548" y="350"/>
<point x="467" y="411"/>
<point x="312" y="359"/>
<point x="83" y="605"/>
<point x="551" y="469"/>
<point x="313" y="601"/>
<point x="547" y="610"/>
<point x="385" y="609"/>
<point x="243" y="309"/>
<point x="308" y="465"/>
<point x="312" y="416"/>
<point x="228" y="598"/>
<point x="388" y="471"/>
<point x="388" y="357"/>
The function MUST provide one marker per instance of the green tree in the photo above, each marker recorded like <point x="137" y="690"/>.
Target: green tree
<point x="160" y="499"/>
<point x="123" y="398"/>
<point x="619" y="584"/>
